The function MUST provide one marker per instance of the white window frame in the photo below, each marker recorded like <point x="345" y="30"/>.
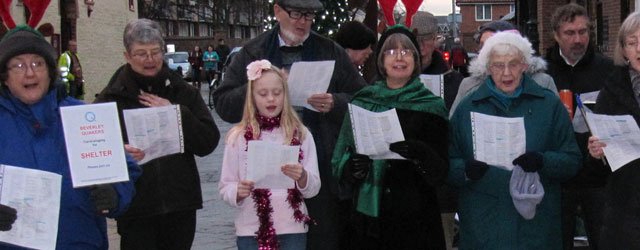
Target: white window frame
<point x="512" y="8"/>
<point x="484" y="10"/>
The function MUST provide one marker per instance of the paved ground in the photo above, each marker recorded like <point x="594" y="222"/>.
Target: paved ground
<point x="215" y="229"/>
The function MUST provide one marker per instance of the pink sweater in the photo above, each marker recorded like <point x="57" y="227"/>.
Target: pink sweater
<point x="234" y="169"/>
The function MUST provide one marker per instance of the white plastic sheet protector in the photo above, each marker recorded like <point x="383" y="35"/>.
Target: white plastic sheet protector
<point x="94" y="144"/>
<point x="497" y="140"/>
<point x="620" y="133"/>
<point x="373" y="132"/>
<point x="155" y="130"/>
<point x="264" y="162"/>
<point x="435" y="83"/>
<point x="308" y="78"/>
<point x="35" y="194"/>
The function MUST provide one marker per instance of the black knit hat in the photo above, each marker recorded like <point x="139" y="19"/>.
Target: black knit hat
<point x="355" y="35"/>
<point x="494" y="26"/>
<point x="25" y="40"/>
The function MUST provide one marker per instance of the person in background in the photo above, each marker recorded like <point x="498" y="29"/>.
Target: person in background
<point x="488" y="215"/>
<point x="395" y="201"/>
<point x="575" y="65"/>
<point x="223" y="51"/>
<point x="211" y="59"/>
<point x="357" y="40"/>
<point x="459" y="58"/>
<point x="71" y="71"/>
<point x="163" y="212"/>
<point x="536" y="69"/>
<point x="425" y="26"/>
<point x="31" y="135"/>
<point x="269" y="117"/>
<point x="195" y="59"/>
<point x="620" y="95"/>
<point x="292" y="40"/>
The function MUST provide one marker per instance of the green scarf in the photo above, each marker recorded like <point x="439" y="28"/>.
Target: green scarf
<point x="378" y="97"/>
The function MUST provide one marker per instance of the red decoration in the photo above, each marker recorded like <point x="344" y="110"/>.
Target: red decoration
<point x="411" y="7"/>
<point x="266" y="234"/>
<point x="5" y="7"/>
<point x="36" y="8"/>
<point x="387" y="10"/>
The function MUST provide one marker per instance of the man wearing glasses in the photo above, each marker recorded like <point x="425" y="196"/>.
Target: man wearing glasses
<point x="292" y="40"/>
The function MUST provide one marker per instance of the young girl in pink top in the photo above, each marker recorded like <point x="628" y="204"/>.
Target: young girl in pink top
<point x="269" y="218"/>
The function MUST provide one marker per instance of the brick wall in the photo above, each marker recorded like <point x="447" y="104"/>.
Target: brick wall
<point x="469" y="25"/>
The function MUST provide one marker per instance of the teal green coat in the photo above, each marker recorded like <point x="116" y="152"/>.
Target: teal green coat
<point x="488" y="218"/>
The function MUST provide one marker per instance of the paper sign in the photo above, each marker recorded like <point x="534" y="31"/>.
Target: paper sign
<point x="94" y="144"/>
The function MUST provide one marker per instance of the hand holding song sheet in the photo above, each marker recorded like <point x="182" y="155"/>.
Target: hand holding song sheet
<point x="265" y="160"/>
<point x="620" y="133"/>
<point x="497" y="140"/>
<point x="155" y="130"/>
<point x="374" y="132"/>
<point x="35" y="194"/>
<point x="308" y="78"/>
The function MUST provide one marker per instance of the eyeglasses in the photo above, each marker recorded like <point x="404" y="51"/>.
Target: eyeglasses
<point x="143" y="54"/>
<point x="295" y="14"/>
<point x="36" y="66"/>
<point x="630" y="44"/>
<point x="499" y="67"/>
<point x="396" y="52"/>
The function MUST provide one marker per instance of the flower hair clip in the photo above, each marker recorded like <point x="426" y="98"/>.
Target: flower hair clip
<point x="254" y="69"/>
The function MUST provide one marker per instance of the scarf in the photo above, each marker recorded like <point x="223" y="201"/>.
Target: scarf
<point x="502" y="97"/>
<point x="266" y="234"/>
<point x="378" y="97"/>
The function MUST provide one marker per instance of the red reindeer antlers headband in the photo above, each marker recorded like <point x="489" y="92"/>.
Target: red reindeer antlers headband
<point x="387" y="9"/>
<point x="36" y="8"/>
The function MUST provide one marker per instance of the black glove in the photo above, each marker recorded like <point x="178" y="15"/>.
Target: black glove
<point x="7" y="217"/>
<point x="410" y="149"/>
<point x="357" y="167"/>
<point x="104" y="197"/>
<point x="529" y="162"/>
<point x="475" y="169"/>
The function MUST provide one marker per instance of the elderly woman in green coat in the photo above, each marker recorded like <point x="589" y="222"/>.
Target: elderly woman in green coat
<point x="488" y="216"/>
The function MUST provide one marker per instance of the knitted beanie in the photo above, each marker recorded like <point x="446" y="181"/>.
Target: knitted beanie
<point x="25" y="40"/>
<point x="355" y="35"/>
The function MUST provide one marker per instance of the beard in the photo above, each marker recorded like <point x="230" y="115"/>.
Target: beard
<point x="295" y="39"/>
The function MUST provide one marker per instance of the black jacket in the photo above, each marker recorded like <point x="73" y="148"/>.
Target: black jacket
<point x="170" y="183"/>
<point x="621" y="225"/>
<point x="587" y="76"/>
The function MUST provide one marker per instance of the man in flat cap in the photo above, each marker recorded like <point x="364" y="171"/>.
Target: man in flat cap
<point x="292" y="40"/>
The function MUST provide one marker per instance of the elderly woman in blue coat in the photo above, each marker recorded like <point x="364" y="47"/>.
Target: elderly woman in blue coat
<point x="488" y="216"/>
<point x="31" y="136"/>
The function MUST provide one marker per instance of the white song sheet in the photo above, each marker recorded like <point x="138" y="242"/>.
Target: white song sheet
<point x="308" y="78"/>
<point x="35" y="194"/>
<point x="374" y="132"/>
<point x="156" y="130"/>
<point x="435" y="83"/>
<point x="620" y="133"/>
<point x="265" y="160"/>
<point x="95" y="149"/>
<point x="497" y="140"/>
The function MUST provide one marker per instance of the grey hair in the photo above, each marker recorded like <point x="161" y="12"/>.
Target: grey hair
<point x="630" y="25"/>
<point x="391" y="43"/>
<point x="142" y="31"/>
<point x="502" y="43"/>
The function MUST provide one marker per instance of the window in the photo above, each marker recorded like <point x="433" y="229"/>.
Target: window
<point x="512" y="8"/>
<point x="483" y="12"/>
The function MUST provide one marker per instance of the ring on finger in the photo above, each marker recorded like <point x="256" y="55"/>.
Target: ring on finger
<point x="322" y="105"/>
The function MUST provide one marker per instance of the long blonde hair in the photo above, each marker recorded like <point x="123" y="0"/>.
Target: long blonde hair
<point x="289" y="120"/>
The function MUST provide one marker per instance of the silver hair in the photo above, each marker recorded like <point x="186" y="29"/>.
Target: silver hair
<point x="142" y="31"/>
<point x="502" y="43"/>
<point x="630" y="25"/>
